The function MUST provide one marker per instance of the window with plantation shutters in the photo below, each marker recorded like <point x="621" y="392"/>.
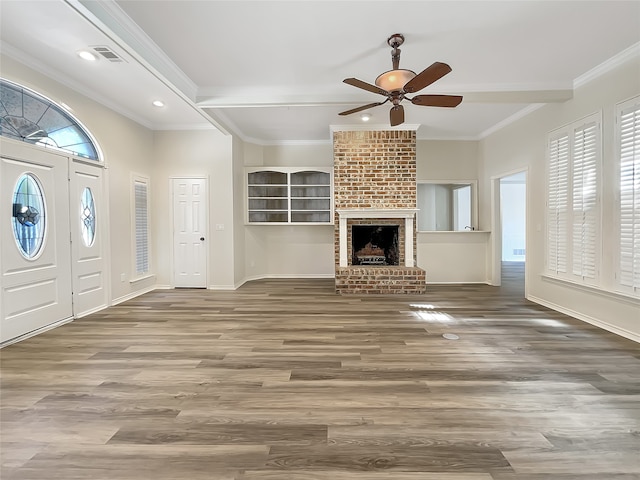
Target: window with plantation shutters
<point x="585" y="210"/>
<point x="628" y="144"/>
<point x="141" y="226"/>
<point x="573" y="200"/>
<point x="557" y="203"/>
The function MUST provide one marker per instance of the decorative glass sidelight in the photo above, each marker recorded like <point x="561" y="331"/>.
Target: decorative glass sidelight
<point x="29" y="215"/>
<point x="87" y="217"/>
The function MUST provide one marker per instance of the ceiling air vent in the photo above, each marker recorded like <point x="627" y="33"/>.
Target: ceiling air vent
<point x="109" y="54"/>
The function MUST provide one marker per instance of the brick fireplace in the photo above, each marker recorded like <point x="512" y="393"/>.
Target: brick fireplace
<point x="375" y="184"/>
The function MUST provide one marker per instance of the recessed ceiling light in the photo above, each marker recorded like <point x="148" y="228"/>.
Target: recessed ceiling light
<point x="158" y="103"/>
<point x="365" y="117"/>
<point x="85" y="55"/>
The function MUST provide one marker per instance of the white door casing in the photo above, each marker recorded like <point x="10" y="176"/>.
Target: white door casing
<point x="190" y="201"/>
<point x="89" y="282"/>
<point x="34" y="292"/>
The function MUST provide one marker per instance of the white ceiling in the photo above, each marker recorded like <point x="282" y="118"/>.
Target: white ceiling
<point x="272" y="71"/>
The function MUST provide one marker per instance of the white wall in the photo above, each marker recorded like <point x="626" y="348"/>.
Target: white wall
<point x="240" y="268"/>
<point x="200" y="153"/>
<point x="311" y="155"/>
<point x="453" y="257"/>
<point x="521" y="146"/>
<point x="288" y="250"/>
<point x="446" y="160"/>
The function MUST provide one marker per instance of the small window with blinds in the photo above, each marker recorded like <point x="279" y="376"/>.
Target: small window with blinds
<point x="573" y="200"/>
<point x="141" y="225"/>
<point x="628" y="150"/>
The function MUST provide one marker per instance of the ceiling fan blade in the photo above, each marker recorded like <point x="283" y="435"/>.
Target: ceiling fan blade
<point x="437" y="100"/>
<point x="426" y="77"/>
<point x="396" y="115"/>
<point x="359" y="109"/>
<point x="365" y="86"/>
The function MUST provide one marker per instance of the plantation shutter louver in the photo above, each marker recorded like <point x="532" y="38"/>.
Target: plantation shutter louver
<point x="141" y="228"/>
<point x="557" y="201"/>
<point x="630" y="196"/>
<point x="585" y="200"/>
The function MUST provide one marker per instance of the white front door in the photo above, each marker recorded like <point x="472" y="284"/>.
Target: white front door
<point x="35" y="266"/>
<point x="88" y="222"/>
<point x="189" y="232"/>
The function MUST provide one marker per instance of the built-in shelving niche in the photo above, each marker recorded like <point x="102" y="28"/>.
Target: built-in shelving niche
<point x="279" y="195"/>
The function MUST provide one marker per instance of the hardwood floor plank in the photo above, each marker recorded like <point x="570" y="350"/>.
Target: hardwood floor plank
<point x="341" y="475"/>
<point x="451" y="458"/>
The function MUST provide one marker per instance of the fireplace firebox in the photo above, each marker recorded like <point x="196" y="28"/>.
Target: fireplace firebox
<point x="374" y="245"/>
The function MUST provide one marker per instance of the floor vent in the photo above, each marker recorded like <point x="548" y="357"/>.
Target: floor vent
<point x="109" y="54"/>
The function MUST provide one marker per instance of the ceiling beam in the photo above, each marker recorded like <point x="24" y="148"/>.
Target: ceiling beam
<point x="505" y="96"/>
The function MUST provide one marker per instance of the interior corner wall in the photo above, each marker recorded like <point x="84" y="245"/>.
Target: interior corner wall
<point x="195" y="153"/>
<point x="273" y="251"/>
<point x="522" y="146"/>
<point x="127" y="148"/>
<point x="451" y="257"/>
<point x="239" y="244"/>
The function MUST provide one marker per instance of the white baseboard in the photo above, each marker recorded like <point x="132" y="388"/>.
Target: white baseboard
<point x="132" y="295"/>
<point x="285" y="276"/>
<point x="221" y="287"/>
<point x="587" y="318"/>
<point x="46" y="328"/>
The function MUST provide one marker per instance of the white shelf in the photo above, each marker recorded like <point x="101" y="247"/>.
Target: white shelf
<point x="289" y="196"/>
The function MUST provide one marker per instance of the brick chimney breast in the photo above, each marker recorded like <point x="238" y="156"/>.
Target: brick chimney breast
<point x="376" y="170"/>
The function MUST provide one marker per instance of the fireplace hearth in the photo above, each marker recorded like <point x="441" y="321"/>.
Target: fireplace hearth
<point x="375" y="245"/>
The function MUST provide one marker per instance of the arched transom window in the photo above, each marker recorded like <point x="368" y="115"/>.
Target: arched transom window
<point x="31" y="118"/>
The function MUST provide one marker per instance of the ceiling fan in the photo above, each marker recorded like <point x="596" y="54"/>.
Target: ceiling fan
<point x="397" y="83"/>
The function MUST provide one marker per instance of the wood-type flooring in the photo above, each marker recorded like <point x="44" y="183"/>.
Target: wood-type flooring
<point x="285" y="380"/>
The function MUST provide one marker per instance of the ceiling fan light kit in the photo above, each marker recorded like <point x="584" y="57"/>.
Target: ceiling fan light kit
<point x="395" y="84"/>
<point x="394" y="80"/>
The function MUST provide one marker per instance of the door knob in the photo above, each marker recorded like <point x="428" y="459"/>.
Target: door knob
<point x="202" y="238"/>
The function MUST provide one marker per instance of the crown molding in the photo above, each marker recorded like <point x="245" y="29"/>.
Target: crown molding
<point x="373" y="127"/>
<point x="621" y="58"/>
<point x="509" y="120"/>
<point x="298" y="142"/>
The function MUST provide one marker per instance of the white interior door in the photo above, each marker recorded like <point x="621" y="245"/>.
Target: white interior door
<point x="189" y="232"/>
<point x="88" y="221"/>
<point x="35" y="271"/>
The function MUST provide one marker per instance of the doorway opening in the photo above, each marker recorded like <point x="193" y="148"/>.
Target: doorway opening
<point x="510" y="230"/>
